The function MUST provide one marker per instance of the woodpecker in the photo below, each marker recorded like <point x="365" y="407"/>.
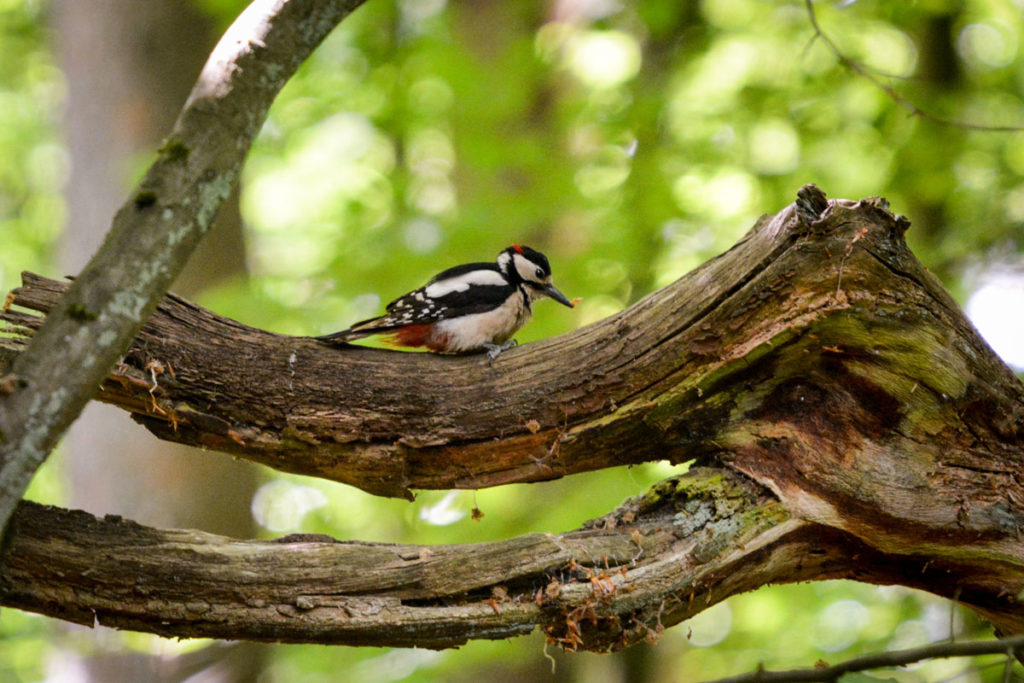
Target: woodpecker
<point x="465" y="309"/>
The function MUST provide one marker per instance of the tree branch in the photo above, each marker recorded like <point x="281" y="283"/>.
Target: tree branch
<point x="818" y="352"/>
<point x="895" y="95"/>
<point x="154" y="232"/>
<point x="895" y="658"/>
<point x="687" y="544"/>
<point x="615" y="572"/>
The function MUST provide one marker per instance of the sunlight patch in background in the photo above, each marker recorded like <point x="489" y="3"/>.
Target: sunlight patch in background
<point x="990" y="44"/>
<point x="603" y="59"/>
<point x="718" y="194"/>
<point x="332" y="181"/>
<point x="421" y="235"/>
<point x="774" y="147"/>
<point x="280" y="505"/>
<point x="888" y="50"/>
<point x="599" y="59"/>
<point x="417" y="12"/>
<point x="997" y="309"/>
<point x="839" y="625"/>
<point x="711" y="626"/>
<point x="395" y="665"/>
<point x="443" y="512"/>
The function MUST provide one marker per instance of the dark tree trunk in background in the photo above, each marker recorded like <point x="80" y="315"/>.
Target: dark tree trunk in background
<point x="939" y="70"/>
<point x="129" y="67"/>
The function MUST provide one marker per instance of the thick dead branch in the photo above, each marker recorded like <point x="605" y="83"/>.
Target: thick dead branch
<point x="689" y="543"/>
<point x="817" y="350"/>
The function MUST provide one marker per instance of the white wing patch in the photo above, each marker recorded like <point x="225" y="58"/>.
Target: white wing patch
<point x="463" y="282"/>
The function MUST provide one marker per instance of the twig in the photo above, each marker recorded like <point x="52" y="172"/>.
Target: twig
<point x="880" y="660"/>
<point x="894" y="94"/>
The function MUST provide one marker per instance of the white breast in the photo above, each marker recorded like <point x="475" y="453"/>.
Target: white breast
<point x="471" y="332"/>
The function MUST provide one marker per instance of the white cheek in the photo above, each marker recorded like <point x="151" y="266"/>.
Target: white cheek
<point x="527" y="270"/>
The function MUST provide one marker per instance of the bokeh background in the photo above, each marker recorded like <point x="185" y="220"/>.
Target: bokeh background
<point x="630" y="141"/>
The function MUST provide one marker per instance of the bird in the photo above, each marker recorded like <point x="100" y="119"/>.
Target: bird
<point x="470" y="308"/>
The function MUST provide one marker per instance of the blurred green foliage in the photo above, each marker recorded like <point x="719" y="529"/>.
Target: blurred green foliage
<point x="630" y="142"/>
<point x="33" y="162"/>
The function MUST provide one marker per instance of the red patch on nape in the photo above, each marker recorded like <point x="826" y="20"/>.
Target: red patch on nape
<point x="518" y="249"/>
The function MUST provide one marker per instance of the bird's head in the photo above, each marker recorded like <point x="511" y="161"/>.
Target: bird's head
<point x="529" y="266"/>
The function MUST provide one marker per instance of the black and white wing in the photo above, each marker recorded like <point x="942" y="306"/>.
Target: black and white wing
<point x="462" y="290"/>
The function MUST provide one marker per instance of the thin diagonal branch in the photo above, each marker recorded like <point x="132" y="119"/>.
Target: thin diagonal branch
<point x="154" y="231"/>
<point x="895" y="95"/>
<point x="882" y="660"/>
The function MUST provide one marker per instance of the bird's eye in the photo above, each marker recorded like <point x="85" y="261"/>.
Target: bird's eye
<point x="540" y="274"/>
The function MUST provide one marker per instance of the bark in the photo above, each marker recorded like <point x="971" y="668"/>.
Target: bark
<point x="859" y="425"/>
<point x="687" y="544"/>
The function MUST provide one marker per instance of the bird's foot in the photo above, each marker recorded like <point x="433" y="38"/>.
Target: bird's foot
<point x="494" y="350"/>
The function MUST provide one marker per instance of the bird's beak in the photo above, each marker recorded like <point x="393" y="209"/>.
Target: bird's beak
<point x="557" y="296"/>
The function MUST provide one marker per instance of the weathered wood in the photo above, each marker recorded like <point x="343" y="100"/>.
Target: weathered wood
<point x="686" y="545"/>
<point x="816" y="357"/>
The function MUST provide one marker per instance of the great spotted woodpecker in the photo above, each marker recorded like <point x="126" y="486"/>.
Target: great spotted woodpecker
<point x="467" y="308"/>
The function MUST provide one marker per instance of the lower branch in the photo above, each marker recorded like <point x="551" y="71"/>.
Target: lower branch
<point x="896" y="658"/>
<point x="689" y="543"/>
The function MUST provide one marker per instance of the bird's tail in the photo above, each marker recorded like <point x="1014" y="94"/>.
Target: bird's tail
<point x="340" y="338"/>
<point x="362" y="329"/>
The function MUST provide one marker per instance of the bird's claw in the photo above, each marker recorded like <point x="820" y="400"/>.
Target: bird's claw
<point x="495" y="350"/>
